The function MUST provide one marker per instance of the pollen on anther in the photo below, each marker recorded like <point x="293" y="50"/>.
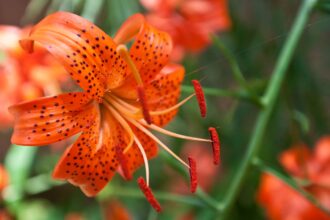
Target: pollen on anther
<point x="149" y="195"/>
<point x="215" y="145"/>
<point x="200" y="97"/>
<point x="143" y="102"/>
<point x="193" y="174"/>
<point x="123" y="162"/>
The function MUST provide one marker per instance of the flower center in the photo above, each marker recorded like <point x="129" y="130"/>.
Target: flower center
<point x="136" y="113"/>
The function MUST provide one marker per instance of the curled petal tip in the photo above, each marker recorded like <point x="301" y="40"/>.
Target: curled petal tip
<point x="193" y="174"/>
<point x="215" y="145"/>
<point x="149" y="195"/>
<point x="200" y="97"/>
<point x="27" y="45"/>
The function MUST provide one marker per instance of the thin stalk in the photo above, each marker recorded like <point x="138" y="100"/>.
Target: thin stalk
<point x="134" y="193"/>
<point x="207" y="199"/>
<point x="238" y="75"/>
<point x="269" y="100"/>
<point x="239" y="94"/>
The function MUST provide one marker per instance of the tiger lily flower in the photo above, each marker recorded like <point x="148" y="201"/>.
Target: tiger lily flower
<point x="311" y="170"/>
<point x="189" y="22"/>
<point x="126" y="94"/>
<point x="24" y="77"/>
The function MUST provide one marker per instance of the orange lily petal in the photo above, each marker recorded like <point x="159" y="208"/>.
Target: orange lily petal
<point x="50" y="119"/>
<point x="135" y="157"/>
<point x="91" y="162"/>
<point x="322" y="149"/>
<point x="164" y="92"/>
<point x="150" y="51"/>
<point x="87" y="53"/>
<point x="295" y="160"/>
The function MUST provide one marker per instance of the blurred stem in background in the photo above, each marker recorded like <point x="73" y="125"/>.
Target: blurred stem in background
<point x="269" y="100"/>
<point x="241" y="94"/>
<point x="236" y="71"/>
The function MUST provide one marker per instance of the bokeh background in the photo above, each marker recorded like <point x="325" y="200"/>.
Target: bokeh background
<point x="259" y="29"/>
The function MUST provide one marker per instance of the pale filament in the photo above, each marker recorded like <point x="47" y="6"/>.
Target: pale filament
<point x="125" y="104"/>
<point x="137" y="111"/>
<point x="147" y="132"/>
<point x="121" y="108"/>
<point x="122" y="50"/>
<point x="100" y="139"/>
<point x="124" y="124"/>
<point x="174" y="107"/>
<point x="145" y="158"/>
<point x="172" y="134"/>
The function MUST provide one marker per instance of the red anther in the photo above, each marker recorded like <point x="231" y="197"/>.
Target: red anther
<point x="27" y="45"/>
<point x="123" y="162"/>
<point x="215" y="145"/>
<point x="193" y="174"/>
<point x="149" y="195"/>
<point x="142" y="100"/>
<point x="200" y="97"/>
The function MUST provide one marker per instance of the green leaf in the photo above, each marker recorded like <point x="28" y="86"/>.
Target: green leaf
<point x="70" y="5"/>
<point x="33" y="11"/>
<point x="36" y="210"/>
<point x="18" y="163"/>
<point x="41" y="183"/>
<point x="302" y="120"/>
<point x="119" y="11"/>
<point x="324" y="5"/>
<point x="290" y="182"/>
<point x="91" y="9"/>
<point x="54" y="6"/>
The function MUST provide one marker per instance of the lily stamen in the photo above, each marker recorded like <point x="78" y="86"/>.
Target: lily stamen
<point x="144" y="156"/>
<point x="172" y="134"/>
<point x="123" y="109"/>
<point x="215" y="145"/>
<point x="193" y="174"/>
<point x="148" y="194"/>
<point x="123" y="52"/>
<point x="147" y="132"/>
<point x="124" y="124"/>
<point x="144" y="105"/>
<point x="160" y="112"/>
<point x="123" y="162"/>
<point x="125" y="104"/>
<point x="200" y="97"/>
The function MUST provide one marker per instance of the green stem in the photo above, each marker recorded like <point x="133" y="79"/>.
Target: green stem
<point x="205" y="198"/>
<point x="134" y="193"/>
<point x="269" y="100"/>
<point x="237" y="94"/>
<point x="231" y="60"/>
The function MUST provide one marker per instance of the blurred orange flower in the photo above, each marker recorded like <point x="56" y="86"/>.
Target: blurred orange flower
<point x="126" y="93"/>
<point x="114" y="210"/>
<point x="206" y="170"/>
<point x="4" y="178"/>
<point x="24" y="77"/>
<point x="189" y="22"/>
<point x="74" y="216"/>
<point x="312" y="169"/>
